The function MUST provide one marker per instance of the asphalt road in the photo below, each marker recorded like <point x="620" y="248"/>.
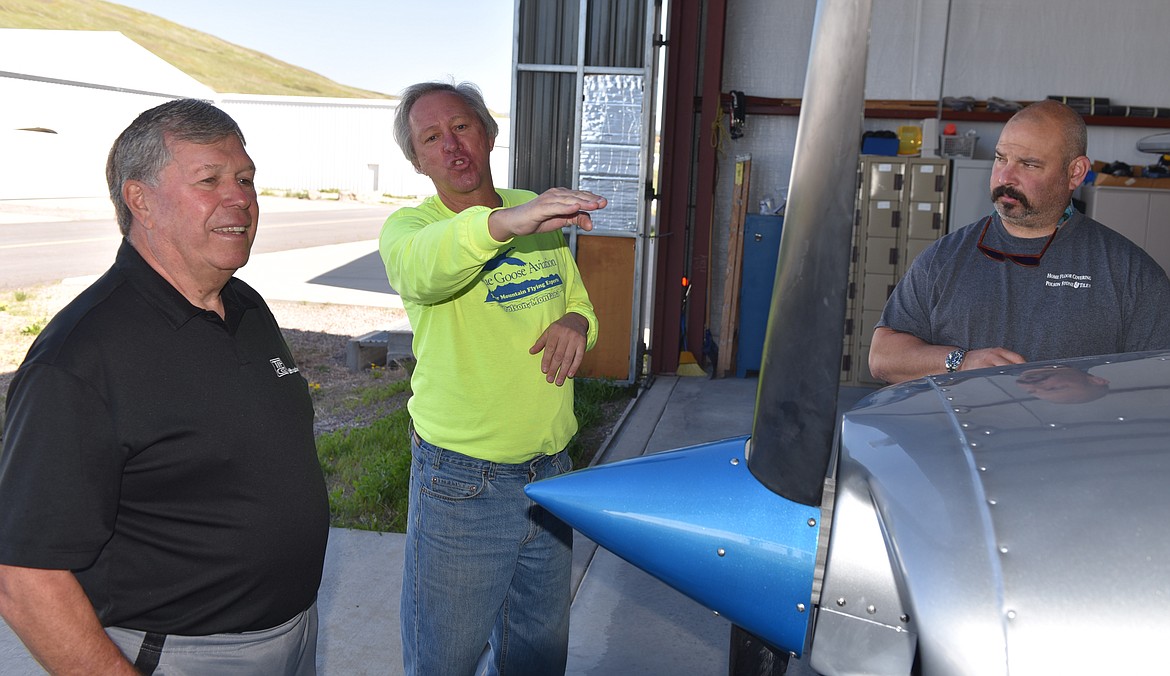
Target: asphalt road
<point x="32" y="254"/>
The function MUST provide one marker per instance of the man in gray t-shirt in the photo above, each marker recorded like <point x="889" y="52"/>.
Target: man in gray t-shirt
<point x="1033" y="281"/>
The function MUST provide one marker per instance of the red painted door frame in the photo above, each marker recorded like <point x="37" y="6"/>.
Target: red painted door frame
<point x="694" y="38"/>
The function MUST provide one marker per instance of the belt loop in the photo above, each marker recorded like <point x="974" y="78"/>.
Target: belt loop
<point x="149" y="653"/>
<point x="435" y="452"/>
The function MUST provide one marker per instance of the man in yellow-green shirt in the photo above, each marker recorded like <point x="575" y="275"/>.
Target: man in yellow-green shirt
<point x="501" y="322"/>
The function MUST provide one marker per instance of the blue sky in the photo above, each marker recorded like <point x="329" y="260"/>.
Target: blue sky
<point x="382" y="45"/>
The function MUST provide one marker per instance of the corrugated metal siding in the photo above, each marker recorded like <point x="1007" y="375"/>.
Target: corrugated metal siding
<point x="309" y="145"/>
<point x="99" y="58"/>
<point x="72" y="161"/>
<point x="298" y="143"/>
<point x="87" y="101"/>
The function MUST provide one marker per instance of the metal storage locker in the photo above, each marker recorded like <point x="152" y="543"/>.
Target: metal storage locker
<point x="901" y="209"/>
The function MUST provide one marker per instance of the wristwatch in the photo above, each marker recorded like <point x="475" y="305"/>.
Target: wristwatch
<point x="955" y="359"/>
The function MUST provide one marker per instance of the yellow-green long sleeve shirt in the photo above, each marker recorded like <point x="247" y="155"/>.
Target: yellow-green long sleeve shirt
<point x="477" y="306"/>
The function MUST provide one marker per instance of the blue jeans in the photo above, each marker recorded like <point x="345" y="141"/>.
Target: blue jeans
<point x="485" y="566"/>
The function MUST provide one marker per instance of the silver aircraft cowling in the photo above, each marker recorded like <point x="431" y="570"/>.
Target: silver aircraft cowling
<point x="1005" y="521"/>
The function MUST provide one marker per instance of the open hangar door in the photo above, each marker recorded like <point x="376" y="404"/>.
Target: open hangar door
<point x="583" y="100"/>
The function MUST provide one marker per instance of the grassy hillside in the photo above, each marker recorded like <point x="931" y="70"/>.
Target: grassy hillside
<point x="221" y="65"/>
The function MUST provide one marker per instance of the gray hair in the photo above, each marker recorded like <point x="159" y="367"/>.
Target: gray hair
<point x="410" y="96"/>
<point x="140" y="153"/>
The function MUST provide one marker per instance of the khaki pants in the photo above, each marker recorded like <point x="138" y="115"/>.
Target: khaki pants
<point x="287" y="650"/>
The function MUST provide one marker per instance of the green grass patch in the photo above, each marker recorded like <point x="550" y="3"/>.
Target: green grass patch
<point x="373" y="395"/>
<point x="369" y="471"/>
<point x="21" y="305"/>
<point x="35" y="328"/>
<point x="591" y="400"/>
<point x="221" y="65"/>
<point x="368" y="468"/>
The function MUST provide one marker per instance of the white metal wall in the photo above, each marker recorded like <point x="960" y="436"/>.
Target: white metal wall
<point x="298" y="143"/>
<point x="70" y="162"/>
<point x="1012" y="49"/>
<point x="305" y="143"/>
<point x="317" y="144"/>
<point x="85" y="86"/>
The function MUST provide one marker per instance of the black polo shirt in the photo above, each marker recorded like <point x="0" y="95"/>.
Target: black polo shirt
<point x="166" y="456"/>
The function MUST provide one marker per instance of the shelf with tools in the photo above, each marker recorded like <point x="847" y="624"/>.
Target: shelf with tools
<point x="915" y="110"/>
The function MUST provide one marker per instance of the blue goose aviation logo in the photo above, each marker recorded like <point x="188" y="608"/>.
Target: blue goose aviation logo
<point x="516" y="284"/>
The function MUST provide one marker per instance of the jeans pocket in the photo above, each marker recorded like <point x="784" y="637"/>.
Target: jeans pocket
<point x="451" y="481"/>
<point x="563" y="462"/>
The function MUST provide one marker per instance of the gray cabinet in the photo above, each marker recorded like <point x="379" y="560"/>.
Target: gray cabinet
<point x="970" y="198"/>
<point x="1141" y="214"/>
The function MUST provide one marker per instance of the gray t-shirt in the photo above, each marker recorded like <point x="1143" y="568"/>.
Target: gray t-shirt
<point x="1094" y="292"/>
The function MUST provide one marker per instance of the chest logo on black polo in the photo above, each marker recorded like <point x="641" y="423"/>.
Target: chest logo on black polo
<point x="517" y="284"/>
<point x="281" y="369"/>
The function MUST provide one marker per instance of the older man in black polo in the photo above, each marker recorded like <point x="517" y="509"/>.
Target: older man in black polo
<point x="161" y="503"/>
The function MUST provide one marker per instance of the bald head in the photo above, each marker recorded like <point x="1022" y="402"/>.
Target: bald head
<point x="1039" y="162"/>
<point x="1056" y="115"/>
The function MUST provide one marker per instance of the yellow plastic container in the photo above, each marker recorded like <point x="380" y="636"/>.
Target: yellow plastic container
<point x="909" y="139"/>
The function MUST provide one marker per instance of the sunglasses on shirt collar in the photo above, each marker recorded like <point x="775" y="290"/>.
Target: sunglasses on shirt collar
<point x="1026" y="260"/>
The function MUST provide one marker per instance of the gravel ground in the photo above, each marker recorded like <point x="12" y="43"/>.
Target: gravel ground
<point x="22" y="314"/>
<point x="317" y="334"/>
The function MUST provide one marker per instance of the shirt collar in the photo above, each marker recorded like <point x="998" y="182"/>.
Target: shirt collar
<point x="1069" y="212"/>
<point x="165" y="298"/>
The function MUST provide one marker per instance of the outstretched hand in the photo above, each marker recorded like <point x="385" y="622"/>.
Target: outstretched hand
<point x="563" y="344"/>
<point x="553" y="209"/>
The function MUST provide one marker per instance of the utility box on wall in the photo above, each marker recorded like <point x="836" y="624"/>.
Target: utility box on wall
<point x="761" y="250"/>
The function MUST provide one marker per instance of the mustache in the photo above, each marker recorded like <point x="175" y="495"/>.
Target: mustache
<point x="1008" y="191"/>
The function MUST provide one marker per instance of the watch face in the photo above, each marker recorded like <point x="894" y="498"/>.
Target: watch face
<point x="954" y="360"/>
